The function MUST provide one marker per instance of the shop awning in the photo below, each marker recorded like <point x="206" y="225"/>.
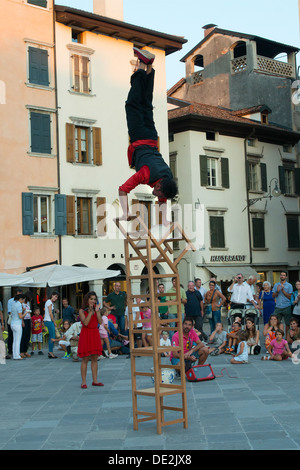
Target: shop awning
<point x="227" y="273"/>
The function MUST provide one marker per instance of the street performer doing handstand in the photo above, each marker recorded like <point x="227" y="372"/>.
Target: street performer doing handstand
<point x="143" y="154"/>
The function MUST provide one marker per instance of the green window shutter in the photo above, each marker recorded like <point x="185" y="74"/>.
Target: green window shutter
<point x="247" y="175"/>
<point x="258" y="229"/>
<point x="217" y="237"/>
<point x="293" y="231"/>
<point x="38" y="66"/>
<point x="27" y="213"/>
<point x="40" y="133"/>
<point x="281" y="179"/>
<point x="263" y="174"/>
<point x="225" y="172"/>
<point x="297" y="181"/>
<point x="203" y="170"/>
<point x="60" y="201"/>
<point x="39" y="3"/>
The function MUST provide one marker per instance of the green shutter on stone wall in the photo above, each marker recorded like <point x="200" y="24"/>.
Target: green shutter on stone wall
<point x="225" y="172"/>
<point x="297" y="181"/>
<point x="281" y="179"/>
<point x="40" y="133"/>
<point x="60" y="214"/>
<point x="293" y="231"/>
<point x="38" y="66"/>
<point x="263" y="174"/>
<point x="203" y="170"/>
<point x="258" y="230"/>
<point x="27" y="213"/>
<point x="217" y="236"/>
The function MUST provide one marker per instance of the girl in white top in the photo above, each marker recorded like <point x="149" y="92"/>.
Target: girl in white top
<point x="49" y="322"/>
<point x="17" y="316"/>
<point x="241" y="357"/>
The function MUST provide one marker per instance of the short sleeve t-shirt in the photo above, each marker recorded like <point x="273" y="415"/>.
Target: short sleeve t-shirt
<point x="36" y="324"/>
<point x="102" y="329"/>
<point x="219" y="338"/>
<point x="278" y="348"/>
<point x="187" y="341"/>
<point x="119" y="301"/>
<point x="281" y="300"/>
<point x="47" y="315"/>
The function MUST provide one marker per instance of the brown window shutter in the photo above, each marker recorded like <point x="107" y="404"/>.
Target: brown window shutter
<point x="76" y="71"/>
<point x="70" y="142"/>
<point x="101" y="216"/>
<point x="70" y="215"/>
<point x="85" y="74"/>
<point x="97" y="146"/>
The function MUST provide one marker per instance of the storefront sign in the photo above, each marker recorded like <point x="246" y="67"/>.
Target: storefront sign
<point x="228" y="258"/>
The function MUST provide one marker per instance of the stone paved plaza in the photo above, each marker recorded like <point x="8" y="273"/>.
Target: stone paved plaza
<point x="253" y="406"/>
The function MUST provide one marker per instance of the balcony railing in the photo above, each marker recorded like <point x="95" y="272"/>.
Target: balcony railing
<point x="264" y="64"/>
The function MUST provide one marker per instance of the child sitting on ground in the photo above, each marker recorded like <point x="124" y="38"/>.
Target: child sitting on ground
<point x="218" y="339"/>
<point x="232" y="337"/>
<point x="104" y="332"/>
<point x="278" y="348"/>
<point x="241" y="357"/>
<point x="63" y="343"/>
<point x="252" y="336"/>
<point x="165" y="341"/>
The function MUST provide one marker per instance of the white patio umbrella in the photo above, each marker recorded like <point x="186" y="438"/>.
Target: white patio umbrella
<point x="8" y="280"/>
<point x="57" y="275"/>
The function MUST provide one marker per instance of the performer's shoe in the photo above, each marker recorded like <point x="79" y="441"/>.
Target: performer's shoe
<point x="144" y="56"/>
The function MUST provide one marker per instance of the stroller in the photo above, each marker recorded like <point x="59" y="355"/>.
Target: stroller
<point x="253" y="314"/>
<point x="232" y="314"/>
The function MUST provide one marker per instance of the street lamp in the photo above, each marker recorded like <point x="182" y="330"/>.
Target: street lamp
<point x="275" y="192"/>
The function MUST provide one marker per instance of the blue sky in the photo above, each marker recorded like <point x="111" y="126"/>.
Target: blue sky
<point x="272" y="19"/>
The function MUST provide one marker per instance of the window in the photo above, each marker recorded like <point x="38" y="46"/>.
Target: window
<point x="293" y="231"/>
<point x="214" y="172"/>
<point x="84" y="143"/>
<point x="84" y="216"/>
<point x="81" y="144"/>
<point x="41" y="214"/>
<point x="81" y="76"/>
<point x="210" y="135"/>
<point x="39" y="3"/>
<point x="38" y="66"/>
<point x="289" y="179"/>
<point x="257" y="176"/>
<point x="40" y="132"/>
<point x="258" y="231"/>
<point x="76" y="36"/>
<point x="217" y="235"/>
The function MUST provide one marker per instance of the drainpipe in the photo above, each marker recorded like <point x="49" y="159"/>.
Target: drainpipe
<point x="57" y="127"/>
<point x="247" y="194"/>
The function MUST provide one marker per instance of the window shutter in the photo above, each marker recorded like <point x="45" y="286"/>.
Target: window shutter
<point x="247" y="175"/>
<point x="97" y="146"/>
<point x="217" y="237"/>
<point x="258" y="229"/>
<point x="85" y="74"/>
<point x="70" y="142"/>
<point x="40" y="133"/>
<point x="76" y="71"/>
<point x="297" y="181"/>
<point x="203" y="170"/>
<point x="263" y="174"/>
<point x="293" y="231"/>
<point x="70" y="203"/>
<point x="40" y="3"/>
<point x="60" y="214"/>
<point x="225" y="172"/>
<point x="27" y="213"/>
<point x="38" y="66"/>
<point x="101" y="216"/>
<point x="281" y="180"/>
<point x="44" y="73"/>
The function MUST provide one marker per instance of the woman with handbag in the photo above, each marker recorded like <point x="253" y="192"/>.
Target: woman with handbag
<point x="213" y="305"/>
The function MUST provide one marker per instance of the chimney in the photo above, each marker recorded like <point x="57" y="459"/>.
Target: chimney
<point x="208" y="28"/>
<point x="109" y="8"/>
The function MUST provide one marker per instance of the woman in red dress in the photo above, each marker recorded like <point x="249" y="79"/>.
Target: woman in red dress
<point x="89" y="344"/>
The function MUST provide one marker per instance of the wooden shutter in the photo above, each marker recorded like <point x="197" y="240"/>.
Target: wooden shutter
<point x="40" y="133"/>
<point x="263" y="176"/>
<point x="60" y="214"/>
<point x="76" y="72"/>
<point x="27" y="213"/>
<point x="70" y="142"/>
<point x="70" y="205"/>
<point x="85" y="74"/>
<point x="258" y="230"/>
<point x="97" y="146"/>
<point x="297" y="181"/>
<point x="225" y="172"/>
<point x="293" y="231"/>
<point x="101" y="216"/>
<point x="281" y="179"/>
<point x="38" y="66"/>
<point x="217" y="237"/>
<point x="203" y="170"/>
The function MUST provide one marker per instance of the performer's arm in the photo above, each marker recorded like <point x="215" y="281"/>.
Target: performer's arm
<point x="140" y="177"/>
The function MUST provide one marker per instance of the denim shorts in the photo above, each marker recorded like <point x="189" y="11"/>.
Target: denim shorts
<point x="37" y="338"/>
